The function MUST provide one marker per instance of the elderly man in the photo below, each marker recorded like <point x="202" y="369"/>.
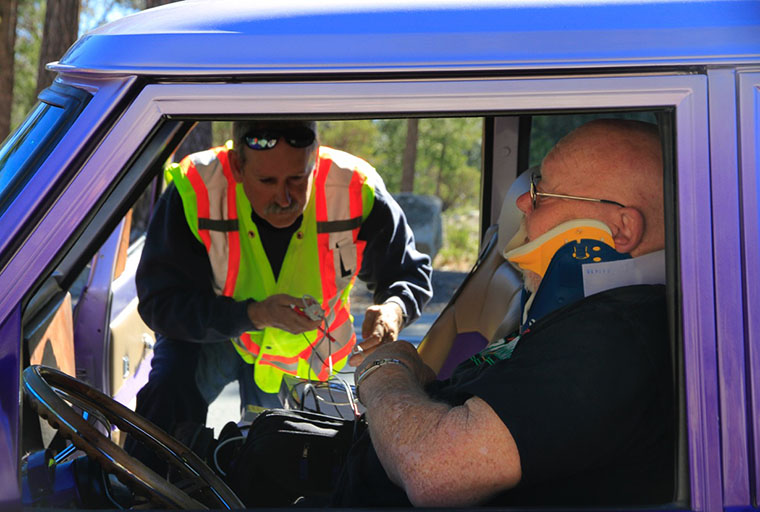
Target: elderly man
<point x="577" y="410"/>
<point x="248" y="264"/>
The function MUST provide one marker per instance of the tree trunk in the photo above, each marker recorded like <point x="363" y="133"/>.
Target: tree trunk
<point x="410" y="155"/>
<point x="8" y="10"/>
<point x="439" y="179"/>
<point x="60" y="32"/>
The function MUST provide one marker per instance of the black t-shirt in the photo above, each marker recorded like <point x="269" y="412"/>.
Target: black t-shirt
<point x="588" y="397"/>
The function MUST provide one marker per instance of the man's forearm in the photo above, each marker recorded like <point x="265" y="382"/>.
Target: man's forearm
<point x="188" y="316"/>
<point x="400" y="415"/>
<point x="173" y="282"/>
<point x="441" y="455"/>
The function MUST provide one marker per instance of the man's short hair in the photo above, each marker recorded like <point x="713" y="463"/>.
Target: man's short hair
<point x="242" y="128"/>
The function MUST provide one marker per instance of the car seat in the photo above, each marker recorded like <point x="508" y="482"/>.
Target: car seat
<point x="486" y="306"/>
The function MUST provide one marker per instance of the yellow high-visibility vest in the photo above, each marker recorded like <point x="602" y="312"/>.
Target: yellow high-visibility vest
<point x="322" y="259"/>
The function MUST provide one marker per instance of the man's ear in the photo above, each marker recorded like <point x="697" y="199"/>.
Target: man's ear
<point x="628" y="229"/>
<point x="235" y="165"/>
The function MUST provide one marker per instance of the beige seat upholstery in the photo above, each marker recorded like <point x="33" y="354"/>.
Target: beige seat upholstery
<point x="131" y="338"/>
<point x="55" y="348"/>
<point x="488" y="301"/>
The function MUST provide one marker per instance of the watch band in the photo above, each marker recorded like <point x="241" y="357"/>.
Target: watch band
<point x="373" y="367"/>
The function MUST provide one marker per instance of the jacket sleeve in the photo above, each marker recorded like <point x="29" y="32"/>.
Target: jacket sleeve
<point x="392" y="267"/>
<point x="174" y="282"/>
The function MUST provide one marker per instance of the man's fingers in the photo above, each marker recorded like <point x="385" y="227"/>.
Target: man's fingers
<point x="284" y="312"/>
<point x="378" y="328"/>
<point x="289" y="317"/>
<point x="357" y="355"/>
<point x="370" y="323"/>
<point x="363" y="349"/>
<point x="371" y="342"/>
<point x="355" y="360"/>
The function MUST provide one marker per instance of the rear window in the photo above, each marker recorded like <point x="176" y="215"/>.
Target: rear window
<point x="29" y="145"/>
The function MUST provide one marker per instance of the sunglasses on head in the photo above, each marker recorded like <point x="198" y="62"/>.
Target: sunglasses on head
<point x="267" y="138"/>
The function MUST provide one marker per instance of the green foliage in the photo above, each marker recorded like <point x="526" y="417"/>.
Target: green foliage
<point x="448" y="160"/>
<point x="358" y="137"/>
<point x="380" y="142"/>
<point x="460" y="239"/>
<point x="448" y="166"/>
<point x="31" y="18"/>
<point x="221" y="132"/>
<point x="448" y="154"/>
<point x="390" y="152"/>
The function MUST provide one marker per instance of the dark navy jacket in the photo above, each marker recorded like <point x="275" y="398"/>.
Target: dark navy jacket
<point x="174" y="275"/>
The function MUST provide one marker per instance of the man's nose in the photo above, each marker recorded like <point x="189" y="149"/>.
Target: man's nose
<point x="524" y="203"/>
<point x="283" y="196"/>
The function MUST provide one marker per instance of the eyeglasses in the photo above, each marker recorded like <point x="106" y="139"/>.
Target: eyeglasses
<point x="267" y="138"/>
<point x="535" y="194"/>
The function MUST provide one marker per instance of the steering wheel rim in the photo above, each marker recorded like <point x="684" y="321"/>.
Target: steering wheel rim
<point x="40" y="384"/>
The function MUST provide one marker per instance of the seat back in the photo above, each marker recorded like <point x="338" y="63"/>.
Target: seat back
<point x="486" y="306"/>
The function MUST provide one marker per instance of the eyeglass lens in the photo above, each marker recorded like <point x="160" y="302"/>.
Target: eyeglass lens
<point x="533" y="196"/>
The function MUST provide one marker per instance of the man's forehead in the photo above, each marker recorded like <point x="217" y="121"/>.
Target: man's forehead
<point x="263" y="167"/>
<point x="573" y="162"/>
<point x="553" y="170"/>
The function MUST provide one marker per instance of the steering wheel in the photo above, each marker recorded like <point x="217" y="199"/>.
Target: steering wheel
<point x="47" y="388"/>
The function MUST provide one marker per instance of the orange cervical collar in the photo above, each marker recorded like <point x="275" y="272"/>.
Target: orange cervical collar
<point x="536" y="255"/>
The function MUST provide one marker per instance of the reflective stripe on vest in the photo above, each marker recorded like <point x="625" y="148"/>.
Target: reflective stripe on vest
<point x="342" y="196"/>
<point x="214" y="220"/>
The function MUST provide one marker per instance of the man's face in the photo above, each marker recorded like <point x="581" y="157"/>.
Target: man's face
<point x="276" y="181"/>
<point x="550" y="212"/>
<point x="560" y="176"/>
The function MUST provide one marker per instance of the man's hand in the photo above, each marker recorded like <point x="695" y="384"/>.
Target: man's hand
<point x="283" y="312"/>
<point x="382" y="323"/>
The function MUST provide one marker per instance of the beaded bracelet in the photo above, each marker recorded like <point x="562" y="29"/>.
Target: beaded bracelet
<point x="372" y="368"/>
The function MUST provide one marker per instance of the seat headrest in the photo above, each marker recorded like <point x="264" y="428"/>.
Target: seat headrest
<point x="510" y="215"/>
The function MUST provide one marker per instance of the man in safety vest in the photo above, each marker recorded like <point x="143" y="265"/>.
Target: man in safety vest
<point x="248" y="263"/>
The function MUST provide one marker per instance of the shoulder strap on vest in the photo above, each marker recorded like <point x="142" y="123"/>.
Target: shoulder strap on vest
<point x="338" y="172"/>
<point x="208" y="190"/>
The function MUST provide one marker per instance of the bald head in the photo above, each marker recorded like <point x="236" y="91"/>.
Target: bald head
<point x="611" y="159"/>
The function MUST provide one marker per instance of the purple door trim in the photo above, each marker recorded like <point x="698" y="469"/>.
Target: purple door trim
<point x="93" y="315"/>
<point x="83" y="131"/>
<point x="749" y="122"/>
<point x="728" y="288"/>
<point x="10" y="379"/>
<point x="697" y="296"/>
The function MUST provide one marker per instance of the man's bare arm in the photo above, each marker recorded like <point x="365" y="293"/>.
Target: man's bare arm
<point x="440" y="455"/>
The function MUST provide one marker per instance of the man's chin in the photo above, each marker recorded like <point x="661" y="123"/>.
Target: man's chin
<point x="531" y="280"/>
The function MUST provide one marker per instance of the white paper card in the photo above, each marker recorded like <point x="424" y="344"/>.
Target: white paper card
<point x="647" y="269"/>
